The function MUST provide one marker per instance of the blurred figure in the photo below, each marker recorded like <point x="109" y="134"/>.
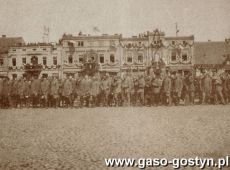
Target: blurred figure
<point x="45" y="86"/>
<point x="177" y="85"/>
<point x="35" y="89"/>
<point x="166" y="90"/>
<point x="206" y="87"/>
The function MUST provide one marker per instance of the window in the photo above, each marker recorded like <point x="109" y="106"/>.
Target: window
<point x="44" y="61"/>
<point x="140" y="58"/>
<point x="173" y="42"/>
<point x="70" y="59"/>
<point x="130" y="58"/>
<point x="173" y="56"/>
<point x="24" y="60"/>
<point x="24" y="49"/>
<point x="55" y="61"/>
<point x="80" y="59"/>
<point x="184" y="57"/>
<point x="14" y="49"/>
<point x="80" y="43"/>
<point x="34" y="49"/>
<point x="112" y="58"/>
<point x="54" y="48"/>
<point x="102" y="59"/>
<point x="44" y="49"/>
<point x="13" y="61"/>
<point x="1" y="61"/>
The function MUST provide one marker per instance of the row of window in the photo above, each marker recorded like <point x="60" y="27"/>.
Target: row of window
<point x="44" y="61"/>
<point x="33" y="49"/>
<point x="91" y="43"/>
<point x="174" y="55"/>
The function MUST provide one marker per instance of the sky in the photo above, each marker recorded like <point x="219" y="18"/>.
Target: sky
<point x="205" y="19"/>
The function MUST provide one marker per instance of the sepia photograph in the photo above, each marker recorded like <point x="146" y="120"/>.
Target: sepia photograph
<point x="114" y="84"/>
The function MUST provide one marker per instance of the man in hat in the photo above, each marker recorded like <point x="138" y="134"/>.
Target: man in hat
<point x="35" y="89"/>
<point x="45" y="86"/>
<point x="177" y="85"/>
<point x="54" y="91"/>
<point x="206" y="88"/>
<point x="21" y="88"/>
<point x="166" y="89"/>
<point x="6" y="92"/>
<point x="94" y="91"/>
<point x="141" y="89"/>
<point x="105" y="89"/>
<point x="125" y="86"/>
<point x="156" y="87"/>
<point x="67" y="91"/>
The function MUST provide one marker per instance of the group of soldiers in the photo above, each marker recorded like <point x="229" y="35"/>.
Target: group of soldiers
<point x="128" y="89"/>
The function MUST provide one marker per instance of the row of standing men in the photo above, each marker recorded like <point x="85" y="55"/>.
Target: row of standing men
<point x="126" y="90"/>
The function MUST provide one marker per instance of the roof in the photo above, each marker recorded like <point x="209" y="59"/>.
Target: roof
<point x="180" y="38"/>
<point x="210" y="52"/>
<point x="7" y="42"/>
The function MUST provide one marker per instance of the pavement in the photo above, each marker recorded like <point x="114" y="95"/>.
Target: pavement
<point x="81" y="138"/>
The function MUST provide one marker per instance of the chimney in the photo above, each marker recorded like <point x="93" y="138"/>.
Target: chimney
<point x="3" y="36"/>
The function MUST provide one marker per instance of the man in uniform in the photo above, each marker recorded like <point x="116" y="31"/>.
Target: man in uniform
<point x="14" y="92"/>
<point x="45" y="87"/>
<point x="67" y="91"/>
<point x="21" y="88"/>
<point x="166" y="89"/>
<point x="156" y="85"/>
<point x="177" y="85"/>
<point x="191" y="88"/>
<point x="94" y="92"/>
<point x="54" y="92"/>
<point x="6" y="92"/>
<point x="126" y="90"/>
<point x="206" y="87"/>
<point x="140" y="89"/>
<point x="218" y="89"/>
<point x="35" y="89"/>
<point x="86" y="87"/>
<point x="105" y="90"/>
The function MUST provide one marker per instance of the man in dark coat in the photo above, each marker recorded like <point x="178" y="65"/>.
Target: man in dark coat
<point x="94" y="92"/>
<point x="6" y="92"/>
<point x="156" y="87"/>
<point x="140" y="89"/>
<point x="54" y="91"/>
<point x="206" y="87"/>
<point x="21" y="87"/>
<point x="177" y="85"/>
<point x="35" y="90"/>
<point x="166" y="89"/>
<point x="67" y="91"/>
<point x="45" y="87"/>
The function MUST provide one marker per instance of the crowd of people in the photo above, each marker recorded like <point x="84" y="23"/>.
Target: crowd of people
<point x="115" y="90"/>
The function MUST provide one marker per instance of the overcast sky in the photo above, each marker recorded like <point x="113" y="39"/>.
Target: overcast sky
<point x="205" y="19"/>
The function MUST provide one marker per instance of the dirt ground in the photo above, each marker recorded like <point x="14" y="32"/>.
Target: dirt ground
<point x="82" y="138"/>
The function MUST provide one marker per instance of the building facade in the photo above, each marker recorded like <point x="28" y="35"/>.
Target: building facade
<point x="102" y="53"/>
<point x="113" y="53"/>
<point x="41" y="58"/>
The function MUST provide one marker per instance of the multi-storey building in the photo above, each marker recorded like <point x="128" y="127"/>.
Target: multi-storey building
<point x="5" y="44"/>
<point x="104" y="53"/>
<point x="35" y="58"/>
<point x="113" y="53"/>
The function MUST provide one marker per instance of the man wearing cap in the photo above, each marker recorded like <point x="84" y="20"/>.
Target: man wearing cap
<point x="177" y="85"/>
<point x="166" y="89"/>
<point x="35" y="89"/>
<point x="45" y="86"/>
<point x="206" y="87"/>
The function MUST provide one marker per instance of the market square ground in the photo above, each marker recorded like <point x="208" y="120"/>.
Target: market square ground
<point x="82" y="138"/>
